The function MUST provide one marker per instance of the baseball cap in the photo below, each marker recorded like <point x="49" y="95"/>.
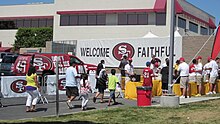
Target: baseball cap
<point x="199" y="57"/>
<point x="182" y="59"/>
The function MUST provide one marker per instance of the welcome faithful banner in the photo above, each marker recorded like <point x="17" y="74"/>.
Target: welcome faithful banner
<point x="140" y="49"/>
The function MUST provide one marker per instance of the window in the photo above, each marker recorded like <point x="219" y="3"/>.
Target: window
<point x="49" y="22"/>
<point x="35" y="23"/>
<point x="211" y="31"/>
<point x="64" y="20"/>
<point x="101" y="19"/>
<point x="122" y="19"/>
<point x="142" y="19"/>
<point x="132" y="19"/>
<point x="181" y="23"/>
<point x="193" y="27"/>
<point x="203" y="31"/>
<point x="160" y="18"/>
<point x="19" y="23"/>
<point x="91" y="19"/>
<point x="73" y="20"/>
<point x="27" y="23"/>
<point x="82" y="20"/>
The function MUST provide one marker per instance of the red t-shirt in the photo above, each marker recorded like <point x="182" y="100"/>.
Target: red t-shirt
<point x="192" y="68"/>
<point x="148" y="73"/>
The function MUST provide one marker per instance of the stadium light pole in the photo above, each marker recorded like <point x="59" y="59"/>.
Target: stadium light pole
<point x="172" y="28"/>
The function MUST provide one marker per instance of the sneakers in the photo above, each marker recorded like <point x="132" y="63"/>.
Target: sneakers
<point x="94" y="99"/>
<point x="214" y="92"/>
<point x="69" y="104"/>
<point x="209" y="93"/>
<point x="182" y="96"/>
<point x="198" y="95"/>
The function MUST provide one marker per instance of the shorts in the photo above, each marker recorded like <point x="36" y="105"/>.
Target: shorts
<point x="199" y="79"/>
<point x="184" y="82"/>
<point x="112" y="94"/>
<point x="72" y="91"/>
<point x="213" y="80"/>
<point x="101" y="90"/>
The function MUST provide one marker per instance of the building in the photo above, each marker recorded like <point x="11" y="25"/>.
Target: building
<point x="100" y="19"/>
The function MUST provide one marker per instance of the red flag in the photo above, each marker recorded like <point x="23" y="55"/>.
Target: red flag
<point x="216" y="45"/>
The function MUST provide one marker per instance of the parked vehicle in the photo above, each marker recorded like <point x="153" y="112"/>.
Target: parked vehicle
<point x="45" y="64"/>
<point x="2" y="54"/>
<point x="7" y="64"/>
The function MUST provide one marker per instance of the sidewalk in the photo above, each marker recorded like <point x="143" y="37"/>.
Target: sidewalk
<point x="15" y="107"/>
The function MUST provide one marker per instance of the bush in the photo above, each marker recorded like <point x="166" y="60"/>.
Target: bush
<point x="32" y="37"/>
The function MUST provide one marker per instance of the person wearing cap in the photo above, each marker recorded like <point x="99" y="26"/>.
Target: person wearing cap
<point x="155" y="63"/>
<point x="129" y="70"/>
<point x="198" y="71"/>
<point x="148" y="74"/>
<point x="213" y="67"/>
<point x="184" y="77"/>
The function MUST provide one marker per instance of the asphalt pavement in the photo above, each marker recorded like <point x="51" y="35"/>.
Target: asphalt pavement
<point x="14" y="108"/>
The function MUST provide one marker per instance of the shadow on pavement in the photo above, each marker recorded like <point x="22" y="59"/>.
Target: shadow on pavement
<point x="41" y="109"/>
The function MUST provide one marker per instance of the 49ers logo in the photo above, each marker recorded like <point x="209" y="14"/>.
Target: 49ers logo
<point x="18" y="86"/>
<point x="122" y="49"/>
<point x="62" y="84"/>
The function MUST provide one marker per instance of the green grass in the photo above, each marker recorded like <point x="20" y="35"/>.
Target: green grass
<point x="203" y="112"/>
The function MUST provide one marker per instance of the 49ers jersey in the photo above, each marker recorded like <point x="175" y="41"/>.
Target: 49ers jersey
<point x="147" y="73"/>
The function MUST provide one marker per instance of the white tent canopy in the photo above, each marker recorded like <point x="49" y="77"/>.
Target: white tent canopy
<point x="150" y="35"/>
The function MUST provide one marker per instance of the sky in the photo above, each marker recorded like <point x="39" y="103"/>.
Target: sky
<point x="210" y="6"/>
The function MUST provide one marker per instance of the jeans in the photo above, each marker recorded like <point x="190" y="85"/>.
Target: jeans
<point x="85" y="99"/>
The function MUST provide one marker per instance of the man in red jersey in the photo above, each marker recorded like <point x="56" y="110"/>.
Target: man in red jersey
<point x="148" y="74"/>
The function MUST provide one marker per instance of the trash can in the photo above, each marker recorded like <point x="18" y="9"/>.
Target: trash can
<point x="144" y="94"/>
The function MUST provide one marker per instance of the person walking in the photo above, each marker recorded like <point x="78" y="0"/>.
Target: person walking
<point x="85" y="88"/>
<point x="32" y="88"/>
<point x="113" y="80"/>
<point x="184" y="77"/>
<point x="101" y="85"/>
<point x="72" y="90"/>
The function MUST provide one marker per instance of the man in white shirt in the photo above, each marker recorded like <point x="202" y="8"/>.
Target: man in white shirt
<point x="129" y="70"/>
<point x="206" y="71"/>
<point x="71" y="84"/>
<point x="213" y="75"/>
<point x="199" y="75"/>
<point x="184" y="77"/>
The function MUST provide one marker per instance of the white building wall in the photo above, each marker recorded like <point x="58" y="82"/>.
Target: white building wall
<point x="27" y="10"/>
<point x="102" y="4"/>
<point x="7" y="37"/>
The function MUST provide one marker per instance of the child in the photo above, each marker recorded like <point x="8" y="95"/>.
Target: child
<point x="84" y="89"/>
<point x="113" y="80"/>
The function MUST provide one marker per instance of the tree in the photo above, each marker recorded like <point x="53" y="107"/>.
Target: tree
<point x="32" y="37"/>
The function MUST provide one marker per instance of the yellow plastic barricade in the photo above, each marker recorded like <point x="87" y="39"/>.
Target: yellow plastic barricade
<point x="157" y="88"/>
<point x="193" y="86"/>
<point x="176" y="90"/>
<point x="218" y="86"/>
<point x="130" y="90"/>
<point x="206" y="87"/>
